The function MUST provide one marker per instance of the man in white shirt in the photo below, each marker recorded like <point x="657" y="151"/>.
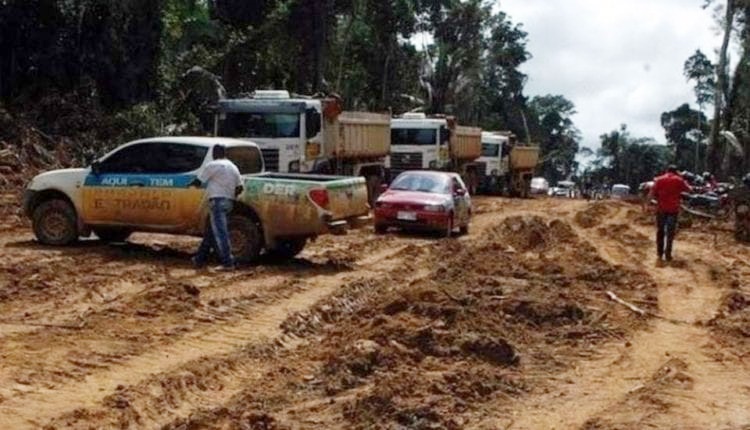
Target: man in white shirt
<point x="223" y="184"/>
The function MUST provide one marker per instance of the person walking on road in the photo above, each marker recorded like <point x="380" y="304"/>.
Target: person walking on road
<point x="667" y="190"/>
<point x="223" y="184"/>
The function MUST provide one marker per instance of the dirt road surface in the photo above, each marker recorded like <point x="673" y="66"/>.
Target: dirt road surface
<point x="549" y="314"/>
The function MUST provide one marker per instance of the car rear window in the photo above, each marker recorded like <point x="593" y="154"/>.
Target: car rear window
<point x="247" y="158"/>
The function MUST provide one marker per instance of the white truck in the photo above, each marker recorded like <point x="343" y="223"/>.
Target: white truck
<point x="309" y="135"/>
<point x="435" y="143"/>
<point x="506" y="167"/>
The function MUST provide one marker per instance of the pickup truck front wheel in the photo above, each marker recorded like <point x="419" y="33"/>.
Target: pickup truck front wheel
<point x="286" y="249"/>
<point x="245" y="238"/>
<point x="54" y="222"/>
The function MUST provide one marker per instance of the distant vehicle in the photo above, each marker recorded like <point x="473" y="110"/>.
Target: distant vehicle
<point x="539" y="185"/>
<point x="563" y="189"/>
<point x="620" y="191"/>
<point x="507" y="165"/>
<point x="144" y="186"/>
<point x="435" y="142"/>
<point x="424" y="200"/>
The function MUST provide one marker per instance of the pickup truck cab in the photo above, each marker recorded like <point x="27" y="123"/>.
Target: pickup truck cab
<point x="144" y="186"/>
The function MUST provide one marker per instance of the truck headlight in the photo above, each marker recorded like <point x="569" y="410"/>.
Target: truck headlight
<point x="434" y="208"/>
<point x="294" y="166"/>
<point x="432" y="164"/>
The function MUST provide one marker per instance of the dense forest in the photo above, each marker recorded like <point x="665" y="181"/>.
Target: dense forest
<point x="90" y="74"/>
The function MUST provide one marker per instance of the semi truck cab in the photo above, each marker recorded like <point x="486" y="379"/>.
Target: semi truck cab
<point x="288" y="131"/>
<point x="418" y="142"/>
<point x="494" y="163"/>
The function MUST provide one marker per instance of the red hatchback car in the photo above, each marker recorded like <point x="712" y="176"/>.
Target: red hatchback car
<point x="424" y="200"/>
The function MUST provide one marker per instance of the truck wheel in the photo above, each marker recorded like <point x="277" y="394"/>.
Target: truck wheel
<point x="286" y="249"/>
<point x="245" y="238"/>
<point x="112" y="234"/>
<point x="55" y="223"/>
<point x="471" y="179"/>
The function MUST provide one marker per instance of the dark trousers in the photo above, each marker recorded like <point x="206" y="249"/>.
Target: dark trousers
<point x="666" y="227"/>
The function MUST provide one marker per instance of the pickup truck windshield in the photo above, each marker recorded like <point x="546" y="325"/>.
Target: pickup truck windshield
<point x="490" y="149"/>
<point x="413" y="136"/>
<point x="247" y="159"/>
<point x="421" y="182"/>
<point x="268" y="125"/>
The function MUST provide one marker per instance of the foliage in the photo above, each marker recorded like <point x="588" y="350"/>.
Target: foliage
<point x="557" y="136"/>
<point x="685" y="130"/>
<point x="623" y="159"/>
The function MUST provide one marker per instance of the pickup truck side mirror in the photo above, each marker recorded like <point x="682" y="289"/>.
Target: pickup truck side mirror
<point x="96" y="167"/>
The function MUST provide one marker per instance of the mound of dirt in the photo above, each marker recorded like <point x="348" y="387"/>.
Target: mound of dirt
<point x="625" y="234"/>
<point x="592" y="215"/>
<point x="489" y="313"/>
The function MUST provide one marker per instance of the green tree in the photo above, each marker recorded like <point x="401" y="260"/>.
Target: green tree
<point x="685" y="131"/>
<point x="557" y="135"/>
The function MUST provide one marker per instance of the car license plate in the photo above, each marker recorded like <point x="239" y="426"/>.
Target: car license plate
<point x="407" y="216"/>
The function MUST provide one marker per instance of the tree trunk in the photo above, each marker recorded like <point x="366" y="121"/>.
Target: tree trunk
<point x="714" y="148"/>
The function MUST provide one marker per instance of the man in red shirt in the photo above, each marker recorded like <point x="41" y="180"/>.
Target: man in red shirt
<point x="667" y="190"/>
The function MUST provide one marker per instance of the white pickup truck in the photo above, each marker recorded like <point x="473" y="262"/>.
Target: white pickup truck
<point x="144" y="186"/>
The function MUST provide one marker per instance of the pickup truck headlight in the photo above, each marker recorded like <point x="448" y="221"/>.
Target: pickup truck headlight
<point x="434" y="208"/>
<point x="294" y="166"/>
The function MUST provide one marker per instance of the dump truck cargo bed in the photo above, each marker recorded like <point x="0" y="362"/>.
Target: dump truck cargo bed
<point x="358" y="135"/>
<point x="466" y="143"/>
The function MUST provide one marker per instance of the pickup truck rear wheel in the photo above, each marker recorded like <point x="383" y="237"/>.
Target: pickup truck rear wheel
<point x="112" y="234"/>
<point x="286" y="249"/>
<point x="245" y="238"/>
<point x="55" y="223"/>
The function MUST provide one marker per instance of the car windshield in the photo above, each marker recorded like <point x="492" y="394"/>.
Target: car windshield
<point x="413" y="136"/>
<point x="490" y="149"/>
<point x="421" y="182"/>
<point x="268" y="125"/>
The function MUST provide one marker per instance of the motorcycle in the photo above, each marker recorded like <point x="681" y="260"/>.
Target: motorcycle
<point x="714" y="204"/>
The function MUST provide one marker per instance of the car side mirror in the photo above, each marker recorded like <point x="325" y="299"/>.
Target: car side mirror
<point x="459" y="192"/>
<point x="96" y="167"/>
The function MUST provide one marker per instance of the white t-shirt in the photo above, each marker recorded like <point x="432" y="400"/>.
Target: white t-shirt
<point x="222" y="177"/>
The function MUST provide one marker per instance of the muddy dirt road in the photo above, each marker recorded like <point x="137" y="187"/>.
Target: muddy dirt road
<point x="516" y="325"/>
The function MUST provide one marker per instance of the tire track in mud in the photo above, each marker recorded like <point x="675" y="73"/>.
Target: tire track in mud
<point x="662" y="377"/>
<point x="41" y="404"/>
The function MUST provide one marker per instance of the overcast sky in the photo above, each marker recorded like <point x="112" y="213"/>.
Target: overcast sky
<point x="618" y="61"/>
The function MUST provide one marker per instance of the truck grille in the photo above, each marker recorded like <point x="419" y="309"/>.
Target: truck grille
<point x="401" y="161"/>
<point x="271" y="158"/>
<point x="482" y="170"/>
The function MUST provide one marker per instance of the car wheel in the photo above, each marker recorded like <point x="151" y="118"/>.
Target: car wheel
<point x="112" y="234"/>
<point x="245" y="239"/>
<point x="286" y="249"/>
<point x="55" y="223"/>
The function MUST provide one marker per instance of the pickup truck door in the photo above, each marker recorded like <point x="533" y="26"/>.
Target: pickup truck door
<point x="146" y="185"/>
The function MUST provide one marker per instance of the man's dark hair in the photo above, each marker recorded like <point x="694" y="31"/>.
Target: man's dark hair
<point x="672" y="168"/>
<point x="219" y="152"/>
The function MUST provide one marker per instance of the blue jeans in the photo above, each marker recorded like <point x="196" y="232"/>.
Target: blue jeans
<point x="217" y="236"/>
<point x="666" y="227"/>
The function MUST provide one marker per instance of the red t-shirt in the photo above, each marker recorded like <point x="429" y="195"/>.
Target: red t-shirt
<point x="667" y="190"/>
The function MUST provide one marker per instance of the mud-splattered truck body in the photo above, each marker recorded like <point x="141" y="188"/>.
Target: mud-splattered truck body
<point x="144" y="186"/>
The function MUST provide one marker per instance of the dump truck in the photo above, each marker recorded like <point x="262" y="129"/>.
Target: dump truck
<point x="505" y="166"/>
<point x="145" y="186"/>
<point x="435" y="142"/>
<point x="309" y="134"/>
